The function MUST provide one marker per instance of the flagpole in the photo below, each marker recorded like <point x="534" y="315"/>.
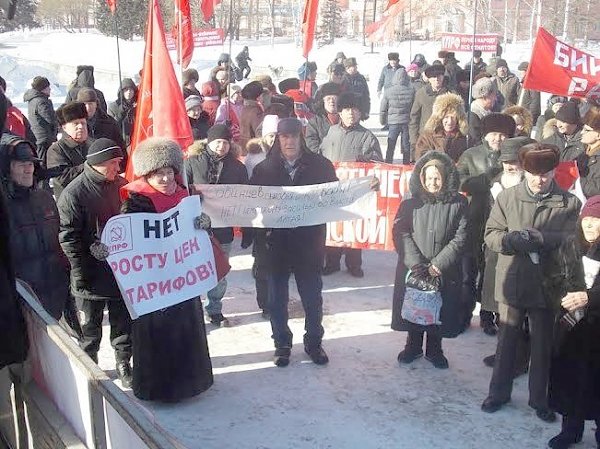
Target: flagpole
<point x="119" y="61"/>
<point x="472" y="69"/>
<point x="179" y="40"/>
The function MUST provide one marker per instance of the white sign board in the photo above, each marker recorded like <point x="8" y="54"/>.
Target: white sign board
<point x="289" y="206"/>
<point x="160" y="260"/>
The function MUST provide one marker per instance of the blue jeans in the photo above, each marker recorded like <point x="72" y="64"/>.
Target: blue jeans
<point x="310" y="286"/>
<point x="214" y="306"/>
<point x="396" y="130"/>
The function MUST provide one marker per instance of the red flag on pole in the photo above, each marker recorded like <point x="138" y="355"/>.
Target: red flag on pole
<point x="183" y="33"/>
<point x="208" y="8"/>
<point x="390" y="4"/>
<point x="160" y="110"/>
<point x="112" y="4"/>
<point x="309" y="23"/>
<point x="384" y="30"/>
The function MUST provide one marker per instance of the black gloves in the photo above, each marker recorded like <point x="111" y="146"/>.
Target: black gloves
<point x="420" y="270"/>
<point x="526" y="241"/>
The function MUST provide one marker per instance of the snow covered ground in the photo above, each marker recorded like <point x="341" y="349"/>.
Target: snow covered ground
<point x="363" y="398"/>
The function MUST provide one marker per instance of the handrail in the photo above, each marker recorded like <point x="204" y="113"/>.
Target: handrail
<point x="149" y="433"/>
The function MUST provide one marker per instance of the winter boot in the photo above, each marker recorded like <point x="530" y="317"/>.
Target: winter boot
<point x="282" y="356"/>
<point x="571" y="433"/>
<point x="317" y="354"/>
<point x="433" y="350"/>
<point x="413" y="349"/>
<point x="219" y="320"/>
<point x="124" y="373"/>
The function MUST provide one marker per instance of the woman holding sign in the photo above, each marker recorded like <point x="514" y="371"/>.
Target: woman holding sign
<point x="430" y="236"/>
<point x="170" y="352"/>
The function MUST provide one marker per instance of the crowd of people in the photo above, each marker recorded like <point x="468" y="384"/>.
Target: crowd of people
<point x="485" y="220"/>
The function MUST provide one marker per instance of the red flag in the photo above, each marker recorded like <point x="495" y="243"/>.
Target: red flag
<point x="208" y="8"/>
<point x="309" y="22"/>
<point x="160" y="109"/>
<point x="112" y="4"/>
<point x="390" y="4"/>
<point x="183" y="29"/>
<point x="561" y="69"/>
<point x="385" y="29"/>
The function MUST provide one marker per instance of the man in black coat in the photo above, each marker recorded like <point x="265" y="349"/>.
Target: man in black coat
<point x="123" y="110"/>
<point x="84" y="207"/>
<point x="299" y="250"/>
<point x="99" y="123"/>
<point x="357" y="83"/>
<point x="217" y="164"/>
<point x="66" y="157"/>
<point x="41" y="115"/>
<point x="567" y="136"/>
<point x="13" y="331"/>
<point x="85" y="78"/>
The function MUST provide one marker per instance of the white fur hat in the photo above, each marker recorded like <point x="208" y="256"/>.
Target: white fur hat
<point x="155" y="153"/>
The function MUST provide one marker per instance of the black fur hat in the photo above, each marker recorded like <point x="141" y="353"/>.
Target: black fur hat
<point x="348" y="100"/>
<point x="252" y="90"/>
<point x="288" y="84"/>
<point x="81" y="68"/>
<point x="434" y="70"/>
<point x="328" y="89"/>
<point x="499" y="123"/>
<point x="68" y="112"/>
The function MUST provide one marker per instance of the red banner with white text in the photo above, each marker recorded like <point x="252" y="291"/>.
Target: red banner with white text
<point x="562" y="69"/>
<point x="376" y="231"/>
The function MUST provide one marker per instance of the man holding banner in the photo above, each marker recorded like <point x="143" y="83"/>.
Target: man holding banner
<point x="299" y="250"/>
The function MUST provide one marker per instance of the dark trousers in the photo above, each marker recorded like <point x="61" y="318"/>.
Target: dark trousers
<point x="396" y="130"/>
<point x="333" y="257"/>
<point x="245" y="71"/>
<point x="433" y="345"/>
<point x="259" y="272"/>
<point x="573" y="426"/>
<point x="91" y="326"/>
<point x="541" y="322"/>
<point x="309" y="285"/>
<point x="473" y="268"/>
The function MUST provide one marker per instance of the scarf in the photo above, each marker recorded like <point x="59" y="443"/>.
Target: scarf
<point x="333" y="119"/>
<point x="160" y="201"/>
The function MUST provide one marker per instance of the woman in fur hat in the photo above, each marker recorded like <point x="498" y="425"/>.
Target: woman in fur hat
<point x="447" y="128"/>
<point x="574" y="388"/>
<point x="589" y="162"/>
<point x="523" y="120"/>
<point x="430" y="236"/>
<point x="170" y="351"/>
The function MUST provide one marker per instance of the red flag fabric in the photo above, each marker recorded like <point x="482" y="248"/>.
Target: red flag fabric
<point x="160" y="109"/>
<point x="384" y="30"/>
<point x="183" y="30"/>
<point x="562" y="69"/>
<point x="112" y="4"/>
<point x="309" y="23"/>
<point x="390" y="4"/>
<point x="208" y="8"/>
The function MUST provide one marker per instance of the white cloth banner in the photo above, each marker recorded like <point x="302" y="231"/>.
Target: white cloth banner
<point x="160" y="260"/>
<point x="289" y="206"/>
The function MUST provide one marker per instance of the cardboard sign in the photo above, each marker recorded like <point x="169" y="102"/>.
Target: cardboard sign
<point x="464" y="42"/>
<point x="242" y="205"/>
<point x="160" y="260"/>
<point x="205" y="37"/>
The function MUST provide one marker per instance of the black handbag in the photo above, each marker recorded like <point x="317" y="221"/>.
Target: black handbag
<point x="424" y="283"/>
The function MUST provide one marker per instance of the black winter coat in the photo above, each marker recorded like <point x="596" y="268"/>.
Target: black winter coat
<point x="170" y="351"/>
<point x="84" y="207"/>
<point x="13" y="330"/>
<point x="42" y="117"/>
<point x="432" y="229"/>
<point x="200" y="126"/>
<point x="85" y="79"/>
<point x="293" y="249"/>
<point x="123" y="111"/>
<point x="574" y="387"/>
<point x="199" y="169"/>
<point x="358" y="84"/>
<point x="397" y="100"/>
<point x="103" y="125"/>
<point x="589" y="170"/>
<point x="36" y="253"/>
<point x="65" y="160"/>
<point x="570" y="148"/>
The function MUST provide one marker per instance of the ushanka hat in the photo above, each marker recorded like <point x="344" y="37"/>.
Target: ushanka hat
<point x="288" y="84"/>
<point x="435" y="70"/>
<point x="569" y="113"/>
<point x="509" y="148"/>
<point x="350" y="62"/>
<point x="87" y="95"/>
<point x="348" y="100"/>
<point x="39" y="83"/>
<point x="592" y="118"/>
<point x="252" y="90"/>
<point x="328" y="89"/>
<point x="498" y="123"/>
<point x="538" y="159"/>
<point x="218" y="131"/>
<point x="155" y="153"/>
<point x="68" y="112"/>
<point x="102" y="150"/>
<point x="483" y="87"/>
<point x="393" y="56"/>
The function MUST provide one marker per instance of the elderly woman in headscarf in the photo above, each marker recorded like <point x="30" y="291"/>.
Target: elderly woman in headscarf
<point x="446" y="129"/>
<point x="170" y="350"/>
<point x="430" y="236"/>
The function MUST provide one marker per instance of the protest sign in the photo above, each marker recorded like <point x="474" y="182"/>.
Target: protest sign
<point x="375" y="231"/>
<point x="288" y="206"/>
<point x="562" y="69"/>
<point x="204" y="37"/>
<point x="464" y="42"/>
<point x="160" y="260"/>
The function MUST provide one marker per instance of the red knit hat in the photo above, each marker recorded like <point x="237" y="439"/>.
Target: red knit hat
<point x="591" y="208"/>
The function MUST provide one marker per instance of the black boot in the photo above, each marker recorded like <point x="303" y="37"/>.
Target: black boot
<point x="433" y="350"/>
<point x="571" y="433"/>
<point x="124" y="373"/>
<point x="413" y="349"/>
<point x="282" y="356"/>
<point x="317" y="354"/>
